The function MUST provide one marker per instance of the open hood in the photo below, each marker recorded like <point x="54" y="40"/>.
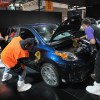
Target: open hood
<point x="72" y="24"/>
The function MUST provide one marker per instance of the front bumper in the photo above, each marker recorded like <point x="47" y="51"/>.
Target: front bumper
<point x="76" y="72"/>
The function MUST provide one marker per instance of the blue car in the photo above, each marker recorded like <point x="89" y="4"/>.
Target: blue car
<point x="62" y="57"/>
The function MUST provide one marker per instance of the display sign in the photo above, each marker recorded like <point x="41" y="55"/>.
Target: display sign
<point x="32" y="5"/>
<point x="49" y="5"/>
<point x="4" y="3"/>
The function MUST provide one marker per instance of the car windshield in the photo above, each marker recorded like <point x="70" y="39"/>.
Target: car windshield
<point x="46" y="31"/>
<point x="62" y="35"/>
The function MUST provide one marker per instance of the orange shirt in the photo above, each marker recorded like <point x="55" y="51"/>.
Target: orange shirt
<point x="12" y="52"/>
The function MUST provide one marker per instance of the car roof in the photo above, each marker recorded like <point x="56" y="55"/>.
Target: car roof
<point x="36" y="24"/>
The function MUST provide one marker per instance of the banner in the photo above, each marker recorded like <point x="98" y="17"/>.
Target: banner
<point x="4" y="3"/>
<point x="48" y="5"/>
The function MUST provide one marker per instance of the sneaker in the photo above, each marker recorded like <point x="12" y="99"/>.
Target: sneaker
<point x="21" y="86"/>
<point x="95" y="89"/>
<point x="93" y="76"/>
<point x="6" y="77"/>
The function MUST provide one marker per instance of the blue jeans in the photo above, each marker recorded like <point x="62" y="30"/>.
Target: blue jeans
<point x="21" y="77"/>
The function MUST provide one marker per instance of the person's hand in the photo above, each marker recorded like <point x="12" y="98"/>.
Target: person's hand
<point x="36" y="60"/>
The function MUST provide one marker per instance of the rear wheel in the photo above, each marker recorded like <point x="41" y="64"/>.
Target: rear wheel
<point x="50" y="75"/>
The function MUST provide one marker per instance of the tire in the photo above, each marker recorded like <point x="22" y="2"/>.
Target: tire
<point x="50" y="75"/>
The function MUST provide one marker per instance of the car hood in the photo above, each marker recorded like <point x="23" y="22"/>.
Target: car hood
<point x="72" y="24"/>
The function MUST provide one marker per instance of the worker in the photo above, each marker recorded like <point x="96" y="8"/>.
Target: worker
<point x="93" y="35"/>
<point x="12" y="34"/>
<point x="15" y="56"/>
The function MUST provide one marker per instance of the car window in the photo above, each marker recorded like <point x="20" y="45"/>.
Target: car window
<point x="12" y="32"/>
<point x="46" y="31"/>
<point x="26" y="33"/>
<point x="62" y="35"/>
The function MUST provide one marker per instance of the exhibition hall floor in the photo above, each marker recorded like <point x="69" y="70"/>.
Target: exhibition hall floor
<point x="40" y="91"/>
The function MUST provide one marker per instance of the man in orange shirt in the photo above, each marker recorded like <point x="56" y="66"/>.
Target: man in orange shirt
<point x="14" y="56"/>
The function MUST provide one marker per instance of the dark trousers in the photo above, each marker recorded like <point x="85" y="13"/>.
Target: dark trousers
<point x="97" y="67"/>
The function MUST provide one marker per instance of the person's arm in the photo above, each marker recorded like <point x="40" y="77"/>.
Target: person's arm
<point x="93" y="41"/>
<point x="26" y="61"/>
<point x="90" y="35"/>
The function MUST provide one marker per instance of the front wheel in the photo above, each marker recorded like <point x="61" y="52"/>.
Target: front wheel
<point x="50" y="75"/>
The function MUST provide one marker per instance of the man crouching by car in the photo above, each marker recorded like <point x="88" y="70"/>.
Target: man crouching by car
<point x="15" y="56"/>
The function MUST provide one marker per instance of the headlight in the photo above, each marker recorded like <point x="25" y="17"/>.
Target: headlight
<point x="66" y="55"/>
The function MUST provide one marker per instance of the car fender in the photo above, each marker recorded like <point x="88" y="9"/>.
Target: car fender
<point x="52" y="58"/>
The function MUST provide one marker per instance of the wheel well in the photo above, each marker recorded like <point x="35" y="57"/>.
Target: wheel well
<point x="55" y="70"/>
<point x="61" y="72"/>
<point x="52" y="62"/>
<point x="47" y="61"/>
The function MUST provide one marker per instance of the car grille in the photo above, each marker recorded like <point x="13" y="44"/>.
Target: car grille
<point x="78" y="74"/>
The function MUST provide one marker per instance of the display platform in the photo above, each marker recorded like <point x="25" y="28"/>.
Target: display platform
<point x="40" y="91"/>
